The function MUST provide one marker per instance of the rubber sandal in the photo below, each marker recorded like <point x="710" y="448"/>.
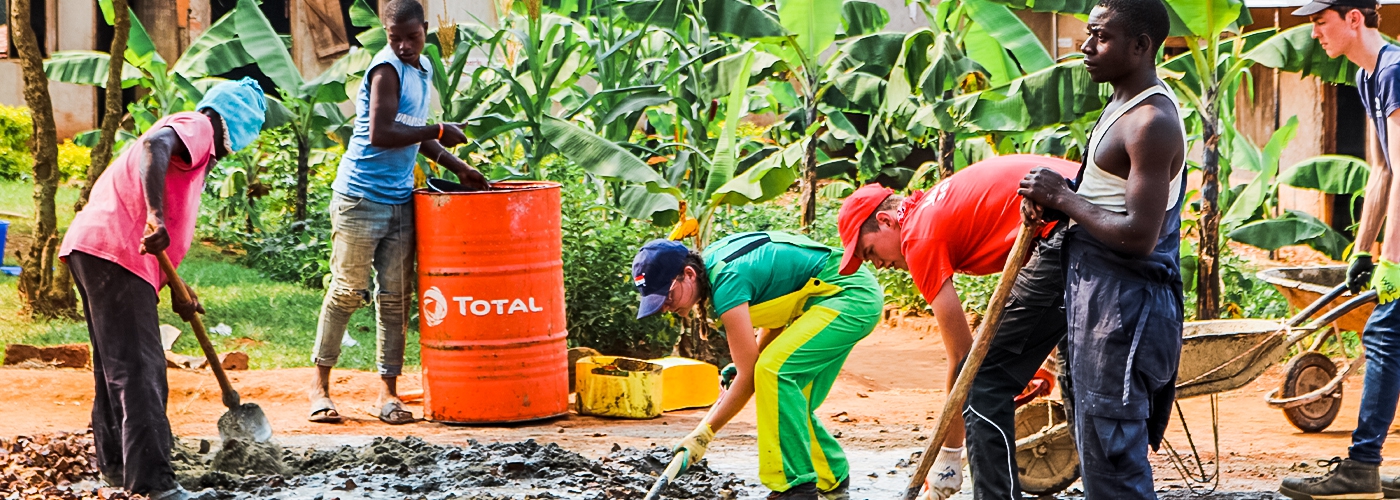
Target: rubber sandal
<point x="323" y="412"/>
<point x="393" y="414"/>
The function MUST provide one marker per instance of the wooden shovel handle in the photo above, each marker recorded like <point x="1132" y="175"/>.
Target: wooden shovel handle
<point x="1025" y="238"/>
<point x="180" y="293"/>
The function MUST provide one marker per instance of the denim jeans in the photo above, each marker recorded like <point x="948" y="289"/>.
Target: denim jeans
<point x="367" y="235"/>
<point x="1381" y="387"/>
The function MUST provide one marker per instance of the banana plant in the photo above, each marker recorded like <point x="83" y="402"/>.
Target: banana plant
<point x="309" y="108"/>
<point x="1203" y="24"/>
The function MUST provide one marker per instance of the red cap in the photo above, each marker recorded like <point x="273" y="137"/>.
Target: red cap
<point x="854" y="211"/>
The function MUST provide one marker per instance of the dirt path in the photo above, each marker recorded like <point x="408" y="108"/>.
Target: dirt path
<point x="884" y="402"/>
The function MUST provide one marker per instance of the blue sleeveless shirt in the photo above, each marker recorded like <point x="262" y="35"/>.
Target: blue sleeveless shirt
<point x="385" y="175"/>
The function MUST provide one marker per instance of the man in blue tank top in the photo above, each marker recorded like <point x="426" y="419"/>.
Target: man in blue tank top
<point x="1348" y="28"/>
<point x="1123" y="278"/>
<point x="372" y="211"/>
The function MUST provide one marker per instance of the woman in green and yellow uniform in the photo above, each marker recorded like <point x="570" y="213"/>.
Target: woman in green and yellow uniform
<point x="791" y="319"/>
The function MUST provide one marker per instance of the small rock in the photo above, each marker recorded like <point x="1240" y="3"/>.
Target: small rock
<point x="874" y="475"/>
<point x="862" y="395"/>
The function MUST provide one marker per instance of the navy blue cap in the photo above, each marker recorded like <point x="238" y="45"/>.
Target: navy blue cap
<point x="657" y="264"/>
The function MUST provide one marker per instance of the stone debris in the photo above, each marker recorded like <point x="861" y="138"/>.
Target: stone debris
<point x="412" y="468"/>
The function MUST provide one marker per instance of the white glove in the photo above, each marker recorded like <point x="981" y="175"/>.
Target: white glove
<point x="945" y="478"/>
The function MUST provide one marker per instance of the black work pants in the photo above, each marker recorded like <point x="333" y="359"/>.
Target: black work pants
<point x="1032" y="324"/>
<point x="129" y="426"/>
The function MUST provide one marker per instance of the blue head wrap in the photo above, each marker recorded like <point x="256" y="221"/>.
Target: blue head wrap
<point x="242" y="106"/>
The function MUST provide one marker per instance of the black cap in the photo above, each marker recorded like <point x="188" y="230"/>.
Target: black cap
<point x="1316" y="6"/>
<point x="657" y="264"/>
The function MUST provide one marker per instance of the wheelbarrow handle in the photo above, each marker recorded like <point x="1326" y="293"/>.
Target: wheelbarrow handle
<point x="1336" y="313"/>
<point x="1317" y="305"/>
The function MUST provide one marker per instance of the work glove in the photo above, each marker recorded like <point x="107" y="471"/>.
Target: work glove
<point x="945" y="478"/>
<point x="727" y="375"/>
<point x="1386" y="281"/>
<point x="1359" y="273"/>
<point x="696" y="443"/>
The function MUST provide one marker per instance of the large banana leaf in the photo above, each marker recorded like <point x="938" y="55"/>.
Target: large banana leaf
<point x="872" y="54"/>
<point x="1205" y="18"/>
<point x="1331" y="174"/>
<point x="718" y="76"/>
<point x="812" y="23"/>
<point x="984" y="48"/>
<point x="1061" y="6"/>
<point x="1056" y="95"/>
<point x="1294" y="228"/>
<point x="265" y="46"/>
<point x="140" y="50"/>
<point x="1011" y="33"/>
<point x="764" y="181"/>
<point x="661" y="209"/>
<point x="859" y="17"/>
<point x="217" y="51"/>
<point x="604" y="159"/>
<point x="1265" y="162"/>
<point x="741" y="19"/>
<point x="943" y="68"/>
<point x="726" y="154"/>
<point x="373" y="38"/>
<point x="856" y="92"/>
<point x="86" y="67"/>
<point x="1295" y="50"/>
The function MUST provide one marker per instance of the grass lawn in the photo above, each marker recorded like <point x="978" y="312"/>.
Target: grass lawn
<point x="274" y="322"/>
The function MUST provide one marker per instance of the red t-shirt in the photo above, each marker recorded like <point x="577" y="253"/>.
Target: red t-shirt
<point x="113" y="223"/>
<point x="968" y="223"/>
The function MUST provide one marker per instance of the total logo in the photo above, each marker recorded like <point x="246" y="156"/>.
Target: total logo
<point x="435" y="306"/>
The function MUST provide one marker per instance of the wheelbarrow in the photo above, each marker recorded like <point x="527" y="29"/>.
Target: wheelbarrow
<point x="1216" y="356"/>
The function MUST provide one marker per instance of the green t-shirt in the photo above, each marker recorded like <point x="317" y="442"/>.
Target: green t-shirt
<point x="767" y="272"/>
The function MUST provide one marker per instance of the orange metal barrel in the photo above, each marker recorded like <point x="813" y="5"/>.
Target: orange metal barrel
<point x="491" y="299"/>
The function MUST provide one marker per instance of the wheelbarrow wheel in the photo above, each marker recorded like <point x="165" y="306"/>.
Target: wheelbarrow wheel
<point x="1305" y="373"/>
<point x="1050" y="464"/>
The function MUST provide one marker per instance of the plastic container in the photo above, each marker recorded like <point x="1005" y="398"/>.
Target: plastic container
<point x="491" y="298"/>
<point x="687" y="383"/>
<point x="611" y="386"/>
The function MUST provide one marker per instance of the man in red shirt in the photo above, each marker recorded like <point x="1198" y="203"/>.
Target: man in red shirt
<point x="967" y="224"/>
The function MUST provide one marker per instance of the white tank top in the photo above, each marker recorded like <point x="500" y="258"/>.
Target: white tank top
<point x="1110" y="191"/>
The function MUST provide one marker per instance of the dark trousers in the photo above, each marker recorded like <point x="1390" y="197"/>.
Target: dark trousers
<point x="129" y="426"/>
<point x="1032" y="324"/>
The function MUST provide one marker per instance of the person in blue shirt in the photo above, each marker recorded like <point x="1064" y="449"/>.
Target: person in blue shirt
<point x="371" y="210"/>
<point x="1349" y="28"/>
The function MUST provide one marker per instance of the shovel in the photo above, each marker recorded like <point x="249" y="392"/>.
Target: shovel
<point x="981" y="342"/>
<point x="244" y="421"/>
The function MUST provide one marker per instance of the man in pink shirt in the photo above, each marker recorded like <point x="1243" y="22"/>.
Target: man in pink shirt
<point x="147" y="202"/>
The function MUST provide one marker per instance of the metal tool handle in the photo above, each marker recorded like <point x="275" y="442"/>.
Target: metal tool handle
<point x="670" y="473"/>
<point x="180" y="293"/>
<point x="1317" y="305"/>
<point x="1025" y="238"/>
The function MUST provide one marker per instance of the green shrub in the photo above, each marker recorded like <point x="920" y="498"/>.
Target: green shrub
<point x="15" y="131"/>
<point x="73" y="161"/>
<point x="598" y="246"/>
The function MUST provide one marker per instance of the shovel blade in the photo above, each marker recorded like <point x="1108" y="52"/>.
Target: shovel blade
<point x="246" y="422"/>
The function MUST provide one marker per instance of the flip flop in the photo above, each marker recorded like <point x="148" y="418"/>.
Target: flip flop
<point x="323" y="412"/>
<point x="393" y="414"/>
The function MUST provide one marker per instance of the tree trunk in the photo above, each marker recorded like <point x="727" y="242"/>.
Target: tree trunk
<point x="809" y="173"/>
<point x="946" y="141"/>
<point x="303" y="174"/>
<point x="112" y="115"/>
<point x="46" y="291"/>
<point x="1208" y="249"/>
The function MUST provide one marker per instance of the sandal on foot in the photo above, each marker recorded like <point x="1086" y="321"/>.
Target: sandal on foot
<point x="323" y="412"/>
<point x="393" y="413"/>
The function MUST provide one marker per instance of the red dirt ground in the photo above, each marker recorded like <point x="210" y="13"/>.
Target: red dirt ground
<point x="890" y="390"/>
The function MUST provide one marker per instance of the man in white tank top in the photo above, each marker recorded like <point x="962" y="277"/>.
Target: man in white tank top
<point x="1123" y="280"/>
<point x="1349" y="28"/>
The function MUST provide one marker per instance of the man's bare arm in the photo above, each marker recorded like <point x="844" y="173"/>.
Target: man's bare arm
<point x="1378" y="189"/>
<point x="1152" y="148"/>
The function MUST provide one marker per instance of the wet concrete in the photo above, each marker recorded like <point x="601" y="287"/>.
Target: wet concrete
<point x="412" y="468"/>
